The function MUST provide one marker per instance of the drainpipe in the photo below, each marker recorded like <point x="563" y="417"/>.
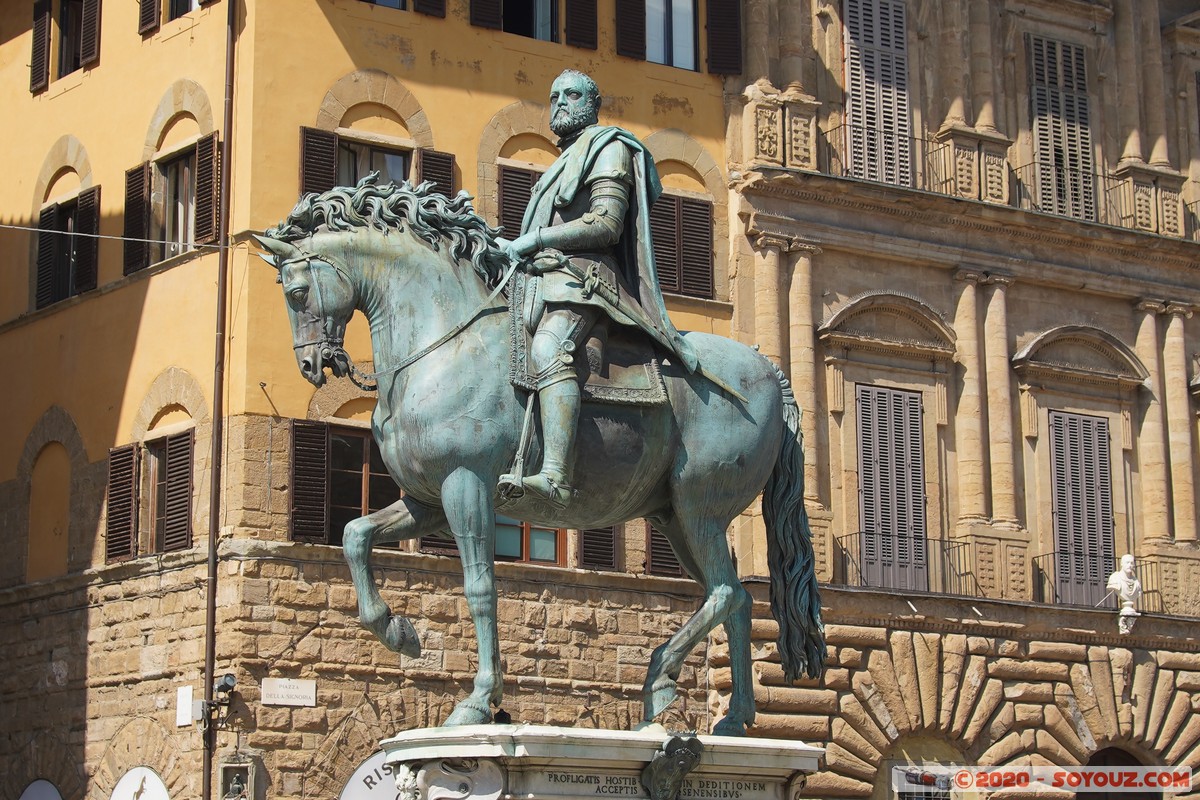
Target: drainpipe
<point x="218" y="410"/>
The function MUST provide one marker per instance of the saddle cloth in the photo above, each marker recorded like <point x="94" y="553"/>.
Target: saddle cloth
<point x="622" y="367"/>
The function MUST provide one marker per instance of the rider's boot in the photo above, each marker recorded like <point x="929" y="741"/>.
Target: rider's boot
<point x="560" y="416"/>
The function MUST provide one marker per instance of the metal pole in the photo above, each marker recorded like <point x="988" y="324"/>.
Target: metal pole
<point x="218" y="411"/>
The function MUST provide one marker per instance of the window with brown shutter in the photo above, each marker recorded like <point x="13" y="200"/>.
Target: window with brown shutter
<point x="1081" y="507"/>
<point x="514" y="190"/>
<point x="724" y="29"/>
<point x="536" y="19"/>
<point x="169" y="489"/>
<point x="39" y="62"/>
<point x="434" y="8"/>
<point x="581" y="23"/>
<point x="137" y="218"/>
<point x="309" y="481"/>
<point x="433" y="165"/>
<point x="148" y="11"/>
<point x="121" y="507"/>
<point x="67" y="248"/>
<point x="631" y="28"/>
<point x="660" y="557"/>
<point x="487" y="14"/>
<point x="682" y="229"/>
<point x="208" y="189"/>
<point x="318" y="160"/>
<point x="89" y="52"/>
<point x="598" y="548"/>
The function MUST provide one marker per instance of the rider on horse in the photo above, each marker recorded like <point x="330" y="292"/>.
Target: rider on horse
<point x="586" y="232"/>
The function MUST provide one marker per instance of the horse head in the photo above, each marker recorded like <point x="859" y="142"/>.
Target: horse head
<point x="320" y="301"/>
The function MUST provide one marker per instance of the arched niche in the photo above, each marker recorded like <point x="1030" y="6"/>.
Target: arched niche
<point x="142" y="743"/>
<point x="173" y="394"/>
<point x="341" y="399"/>
<point x="46" y="554"/>
<point x="373" y="101"/>
<point x="520" y="123"/>
<point x="66" y="170"/>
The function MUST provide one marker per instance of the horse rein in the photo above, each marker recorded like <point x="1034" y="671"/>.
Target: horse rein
<point x="332" y="346"/>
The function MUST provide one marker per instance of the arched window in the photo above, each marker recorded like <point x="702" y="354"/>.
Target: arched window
<point x="68" y="222"/>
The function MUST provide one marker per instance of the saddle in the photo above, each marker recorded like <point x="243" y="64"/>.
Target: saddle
<point x="622" y="365"/>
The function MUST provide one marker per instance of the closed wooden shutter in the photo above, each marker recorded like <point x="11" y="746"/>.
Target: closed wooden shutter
<point x="87" y="245"/>
<point x="121" y="507"/>
<point x="434" y="8"/>
<point x="598" y="548"/>
<point x="660" y="558"/>
<point x="631" y="28"/>
<point x="516" y="186"/>
<point x="39" y="60"/>
<point x="1082" y="506"/>
<point x="318" y="160"/>
<point x="664" y="228"/>
<point x="696" y="248"/>
<point x="89" y="52"/>
<point x="891" y="470"/>
<point x="724" y="37"/>
<point x="309" y="516"/>
<point x="47" y="242"/>
<point x="487" y="14"/>
<point x="878" y="126"/>
<point x="581" y="23"/>
<point x="433" y="165"/>
<point x="1062" y="136"/>
<point x="177" y="516"/>
<point x="137" y="218"/>
<point x="148" y="13"/>
<point x="208" y="189"/>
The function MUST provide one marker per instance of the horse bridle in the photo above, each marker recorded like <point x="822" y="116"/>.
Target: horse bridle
<point x="335" y="346"/>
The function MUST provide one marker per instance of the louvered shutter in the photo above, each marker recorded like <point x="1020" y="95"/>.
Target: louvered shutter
<point x="309" y="517"/>
<point x="725" y="37"/>
<point x="47" y="242"/>
<point x="87" y="225"/>
<point x="177" y="515"/>
<point x="664" y="228"/>
<point x="434" y="8"/>
<point x="696" y="248"/>
<point x="1062" y="137"/>
<point x="39" y="60"/>
<point x="1082" y="505"/>
<point x="207" y="2"/>
<point x="516" y="186"/>
<point x="631" y="28"/>
<point x="318" y="160"/>
<point x="598" y="548"/>
<point x="660" y="558"/>
<point x="891" y="485"/>
<point x="89" y="52"/>
<point x="148" y="11"/>
<point x="487" y="14"/>
<point x="137" y="218"/>
<point x="878" y="126"/>
<point x="433" y="165"/>
<point x="120" y="526"/>
<point x="581" y="23"/>
<point x="208" y="189"/>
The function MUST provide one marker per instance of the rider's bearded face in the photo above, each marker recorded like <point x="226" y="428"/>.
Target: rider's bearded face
<point x="572" y="107"/>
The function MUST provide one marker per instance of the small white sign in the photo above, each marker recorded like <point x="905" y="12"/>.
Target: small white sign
<point x="289" y="692"/>
<point x="183" y="706"/>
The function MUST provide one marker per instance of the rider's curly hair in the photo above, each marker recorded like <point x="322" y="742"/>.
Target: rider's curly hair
<point x="432" y="216"/>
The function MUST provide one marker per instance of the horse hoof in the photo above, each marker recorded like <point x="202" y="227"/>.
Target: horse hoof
<point x="469" y="713"/>
<point x="729" y="727"/>
<point x="660" y="697"/>
<point x="401" y="637"/>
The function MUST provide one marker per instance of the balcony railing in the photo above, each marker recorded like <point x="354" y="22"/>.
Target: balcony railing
<point x="905" y="562"/>
<point x="896" y="159"/>
<point x="1082" y="580"/>
<point x="1090" y="196"/>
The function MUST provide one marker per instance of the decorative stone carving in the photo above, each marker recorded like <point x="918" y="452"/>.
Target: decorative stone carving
<point x="1153" y="193"/>
<point x="973" y="164"/>
<point x="458" y="779"/>
<point x="1143" y="206"/>
<point x="663" y="776"/>
<point x="1124" y="582"/>
<point x="767" y="120"/>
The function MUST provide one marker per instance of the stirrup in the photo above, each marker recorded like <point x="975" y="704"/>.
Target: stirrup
<point x="559" y="494"/>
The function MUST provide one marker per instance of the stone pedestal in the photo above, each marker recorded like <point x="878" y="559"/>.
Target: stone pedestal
<point x="490" y="762"/>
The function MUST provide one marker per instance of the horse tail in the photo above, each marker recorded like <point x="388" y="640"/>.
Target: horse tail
<point x="795" y="598"/>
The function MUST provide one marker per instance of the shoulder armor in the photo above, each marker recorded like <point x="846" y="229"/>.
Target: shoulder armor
<point x="614" y="161"/>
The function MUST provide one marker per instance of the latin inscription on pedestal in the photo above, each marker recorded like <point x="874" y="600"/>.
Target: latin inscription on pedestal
<point x="599" y="784"/>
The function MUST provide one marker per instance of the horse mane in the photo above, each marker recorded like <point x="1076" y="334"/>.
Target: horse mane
<point x="430" y="215"/>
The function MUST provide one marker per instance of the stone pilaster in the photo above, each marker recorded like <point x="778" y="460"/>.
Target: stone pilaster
<point x="1152" y="444"/>
<point x="953" y="76"/>
<point x="1129" y="100"/>
<point x="975" y="164"/>
<point x="1179" y="423"/>
<point x="770" y="312"/>
<point x="802" y="348"/>
<point x="979" y="15"/>
<point x="1151" y="83"/>
<point x="999" y="401"/>
<point x="757" y="64"/>
<point x="968" y="422"/>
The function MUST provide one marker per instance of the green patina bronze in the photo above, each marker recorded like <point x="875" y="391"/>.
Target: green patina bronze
<point x="432" y="278"/>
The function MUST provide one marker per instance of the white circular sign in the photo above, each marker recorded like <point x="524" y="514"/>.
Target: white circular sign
<point x="41" y="790"/>
<point x="373" y="780"/>
<point x="140" y="783"/>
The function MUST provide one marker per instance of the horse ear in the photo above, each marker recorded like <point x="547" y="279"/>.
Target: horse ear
<point x="282" y="251"/>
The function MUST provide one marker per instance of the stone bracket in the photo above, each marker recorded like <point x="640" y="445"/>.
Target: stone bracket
<point x="1152" y="198"/>
<point x="779" y="128"/>
<point x="974" y="164"/>
<point x="664" y="775"/>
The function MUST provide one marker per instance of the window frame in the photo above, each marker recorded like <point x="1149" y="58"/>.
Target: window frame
<point x="364" y="152"/>
<point x="668" y="34"/>
<point x="52" y="46"/>
<point x="526" y="528"/>
<point x="318" y="167"/>
<point x="133" y="505"/>
<point x="67" y="256"/>
<point x="490" y="14"/>
<point x="175" y="177"/>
